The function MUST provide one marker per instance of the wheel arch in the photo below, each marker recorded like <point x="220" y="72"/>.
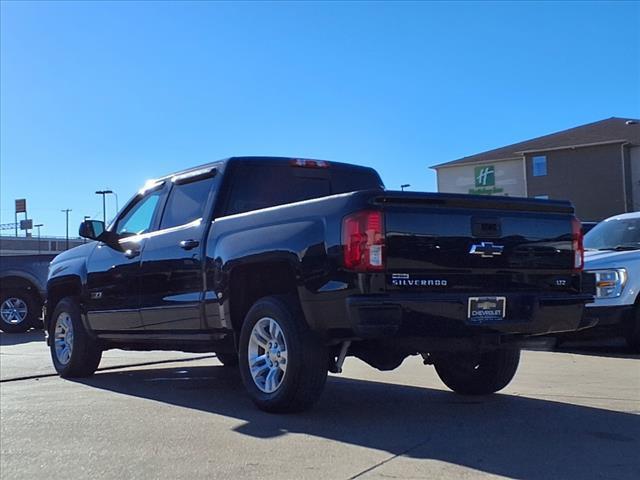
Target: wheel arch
<point x="59" y="288"/>
<point x="252" y="281"/>
<point x="20" y="282"/>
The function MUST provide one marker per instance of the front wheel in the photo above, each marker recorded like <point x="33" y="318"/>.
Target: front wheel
<point x="478" y="373"/>
<point x="282" y="364"/>
<point x="73" y="351"/>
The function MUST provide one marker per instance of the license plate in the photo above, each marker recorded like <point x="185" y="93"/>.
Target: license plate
<point x="486" y="309"/>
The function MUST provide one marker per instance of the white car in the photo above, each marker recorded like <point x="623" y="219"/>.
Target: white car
<point x="612" y="252"/>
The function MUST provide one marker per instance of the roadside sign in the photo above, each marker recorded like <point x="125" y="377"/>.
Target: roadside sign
<point x="21" y="205"/>
<point x="26" y="224"/>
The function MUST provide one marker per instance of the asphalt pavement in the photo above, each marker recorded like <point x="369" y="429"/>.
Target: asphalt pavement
<point x="170" y="415"/>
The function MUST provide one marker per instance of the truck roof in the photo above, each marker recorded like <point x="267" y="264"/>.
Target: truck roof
<point x="274" y="160"/>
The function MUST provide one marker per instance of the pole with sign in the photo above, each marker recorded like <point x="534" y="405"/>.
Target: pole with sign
<point x="21" y="207"/>
<point x="26" y="224"/>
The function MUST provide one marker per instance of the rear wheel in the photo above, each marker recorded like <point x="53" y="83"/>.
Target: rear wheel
<point x="478" y="373"/>
<point x="283" y="365"/>
<point x="73" y="352"/>
<point x="18" y="310"/>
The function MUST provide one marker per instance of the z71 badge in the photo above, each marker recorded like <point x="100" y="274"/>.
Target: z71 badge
<point x="405" y="280"/>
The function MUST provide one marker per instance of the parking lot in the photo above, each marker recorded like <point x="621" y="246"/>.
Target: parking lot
<point x="176" y="415"/>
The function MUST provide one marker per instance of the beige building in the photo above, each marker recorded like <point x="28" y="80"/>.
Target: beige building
<point x="476" y="178"/>
<point x="595" y="166"/>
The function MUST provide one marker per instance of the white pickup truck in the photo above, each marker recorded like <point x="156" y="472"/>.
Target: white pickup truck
<point x="612" y="252"/>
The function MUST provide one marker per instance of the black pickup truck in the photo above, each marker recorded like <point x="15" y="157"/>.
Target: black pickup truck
<point x="285" y="266"/>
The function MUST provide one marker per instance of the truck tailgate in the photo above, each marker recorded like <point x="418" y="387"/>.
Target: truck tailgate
<point x="478" y="243"/>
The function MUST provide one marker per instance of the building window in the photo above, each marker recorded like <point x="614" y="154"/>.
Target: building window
<point x="539" y="166"/>
<point x="542" y="197"/>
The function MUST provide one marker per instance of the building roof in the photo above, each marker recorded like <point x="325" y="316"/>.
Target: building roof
<point x="610" y="130"/>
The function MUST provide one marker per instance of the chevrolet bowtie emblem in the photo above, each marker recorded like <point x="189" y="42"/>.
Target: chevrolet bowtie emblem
<point x="486" y="249"/>
<point x="487" y="305"/>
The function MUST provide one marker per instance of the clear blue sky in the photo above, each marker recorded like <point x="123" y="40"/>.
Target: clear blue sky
<point x="97" y="95"/>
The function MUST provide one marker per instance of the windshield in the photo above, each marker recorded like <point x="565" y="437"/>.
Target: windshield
<point x="614" y="234"/>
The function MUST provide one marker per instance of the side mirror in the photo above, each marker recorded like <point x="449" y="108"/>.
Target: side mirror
<point x="92" y="229"/>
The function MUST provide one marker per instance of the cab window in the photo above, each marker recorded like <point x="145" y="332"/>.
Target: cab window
<point x="139" y="217"/>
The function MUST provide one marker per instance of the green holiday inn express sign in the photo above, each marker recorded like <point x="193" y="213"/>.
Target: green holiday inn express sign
<point x="485" y="178"/>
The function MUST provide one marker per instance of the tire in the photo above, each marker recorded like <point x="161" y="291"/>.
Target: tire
<point x="18" y="310"/>
<point x="479" y="373"/>
<point x="83" y="358"/>
<point x="633" y="338"/>
<point x="300" y="384"/>
<point x="227" y="359"/>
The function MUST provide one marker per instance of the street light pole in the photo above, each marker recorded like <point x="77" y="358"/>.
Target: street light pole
<point x="66" y="211"/>
<point x="104" y="194"/>
<point x="38" y="225"/>
<point x="404" y="185"/>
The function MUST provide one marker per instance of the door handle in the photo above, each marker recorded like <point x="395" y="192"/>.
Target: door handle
<point x="189" y="244"/>
<point x="131" y="253"/>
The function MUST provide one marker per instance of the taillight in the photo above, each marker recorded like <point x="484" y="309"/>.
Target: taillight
<point x="363" y="241"/>
<point x="576" y="244"/>
<point x="303" y="162"/>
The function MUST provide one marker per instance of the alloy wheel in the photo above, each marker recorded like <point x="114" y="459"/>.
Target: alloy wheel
<point x="267" y="354"/>
<point x="14" y="310"/>
<point x="63" y="338"/>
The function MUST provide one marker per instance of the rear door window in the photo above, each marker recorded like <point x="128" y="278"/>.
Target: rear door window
<point x="186" y="202"/>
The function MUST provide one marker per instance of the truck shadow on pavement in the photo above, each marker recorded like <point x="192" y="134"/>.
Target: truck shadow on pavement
<point x="598" y="351"/>
<point x="607" y="347"/>
<point x="502" y="434"/>
<point x="34" y="335"/>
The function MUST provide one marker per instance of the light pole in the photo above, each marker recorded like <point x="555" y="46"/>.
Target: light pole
<point x="66" y="212"/>
<point x="104" y="193"/>
<point x="404" y="185"/>
<point x="38" y="225"/>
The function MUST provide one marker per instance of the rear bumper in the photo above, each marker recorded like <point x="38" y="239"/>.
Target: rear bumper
<point x="422" y="315"/>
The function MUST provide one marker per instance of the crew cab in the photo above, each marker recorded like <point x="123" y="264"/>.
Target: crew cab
<point x="285" y="266"/>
